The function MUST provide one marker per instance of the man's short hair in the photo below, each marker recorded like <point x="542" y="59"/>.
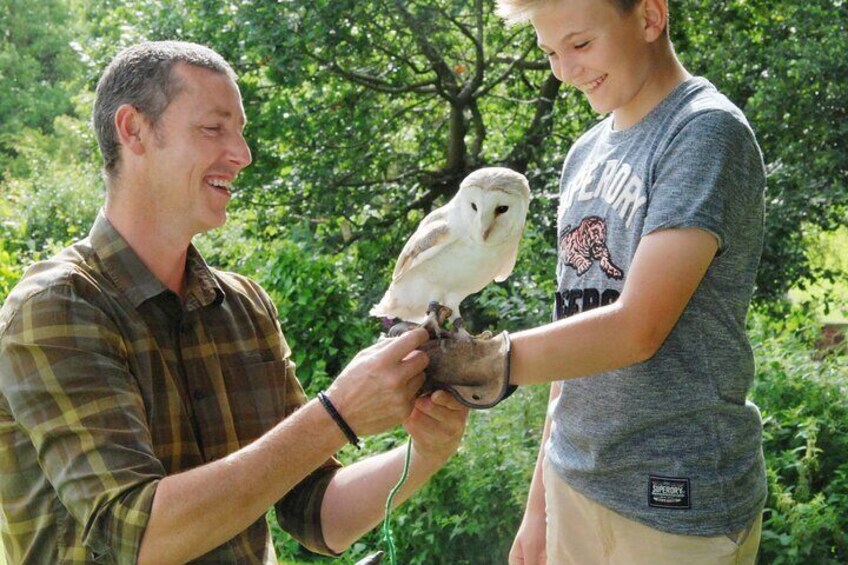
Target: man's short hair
<point x="519" y="11"/>
<point x="142" y="75"/>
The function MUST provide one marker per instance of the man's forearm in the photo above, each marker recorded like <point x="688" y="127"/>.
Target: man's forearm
<point x="195" y="511"/>
<point x="356" y="497"/>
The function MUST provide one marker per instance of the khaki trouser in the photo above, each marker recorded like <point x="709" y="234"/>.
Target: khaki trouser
<point x="583" y="532"/>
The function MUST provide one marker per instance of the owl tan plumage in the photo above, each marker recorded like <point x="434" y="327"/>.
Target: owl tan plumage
<point x="461" y="247"/>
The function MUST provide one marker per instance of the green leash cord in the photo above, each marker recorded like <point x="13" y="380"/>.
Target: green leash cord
<point x="387" y="530"/>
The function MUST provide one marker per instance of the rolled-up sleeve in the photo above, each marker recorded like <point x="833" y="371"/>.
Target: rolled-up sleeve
<point x="65" y="379"/>
<point x="299" y="512"/>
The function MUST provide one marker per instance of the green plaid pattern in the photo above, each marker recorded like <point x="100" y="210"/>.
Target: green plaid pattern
<point x="109" y="383"/>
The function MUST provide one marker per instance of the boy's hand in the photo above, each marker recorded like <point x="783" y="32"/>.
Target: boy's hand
<point x="530" y="546"/>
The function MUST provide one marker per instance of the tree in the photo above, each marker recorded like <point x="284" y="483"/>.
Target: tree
<point x="372" y="113"/>
<point x="366" y="115"/>
<point x="37" y="66"/>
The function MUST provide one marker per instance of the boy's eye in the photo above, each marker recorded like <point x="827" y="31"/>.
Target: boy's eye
<point x="581" y="45"/>
<point x="213" y="129"/>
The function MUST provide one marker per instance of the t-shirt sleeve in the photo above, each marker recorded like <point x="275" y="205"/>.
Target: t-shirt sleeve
<point x="65" y="381"/>
<point x="711" y="168"/>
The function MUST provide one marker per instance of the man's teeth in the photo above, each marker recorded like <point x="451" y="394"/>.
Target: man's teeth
<point x="220" y="183"/>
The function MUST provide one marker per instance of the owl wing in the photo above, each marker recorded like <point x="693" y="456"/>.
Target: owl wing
<point x="507" y="264"/>
<point x="432" y="235"/>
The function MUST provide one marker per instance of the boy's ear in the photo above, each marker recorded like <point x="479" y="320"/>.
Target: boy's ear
<point x="130" y="126"/>
<point x="655" y="18"/>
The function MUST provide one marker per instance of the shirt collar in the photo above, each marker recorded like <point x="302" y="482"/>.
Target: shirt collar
<point x="132" y="277"/>
<point x="203" y="288"/>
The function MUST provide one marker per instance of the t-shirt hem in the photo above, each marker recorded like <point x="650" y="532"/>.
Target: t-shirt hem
<point x="694" y="526"/>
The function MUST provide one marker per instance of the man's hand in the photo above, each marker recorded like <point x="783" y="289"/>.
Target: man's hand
<point x="475" y="371"/>
<point x="376" y="391"/>
<point x="436" y="425"/>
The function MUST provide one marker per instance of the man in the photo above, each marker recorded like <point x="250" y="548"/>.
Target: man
<point x="149" y="410"/>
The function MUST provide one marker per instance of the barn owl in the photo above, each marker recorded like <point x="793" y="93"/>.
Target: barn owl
<point x="459" y="248"/>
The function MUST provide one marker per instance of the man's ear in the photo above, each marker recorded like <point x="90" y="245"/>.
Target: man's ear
<point x="131" y="126"/>
<point x="655" y="18"/>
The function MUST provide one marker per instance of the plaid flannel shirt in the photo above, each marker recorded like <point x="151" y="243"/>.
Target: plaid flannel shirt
<point x="108" y="383"/>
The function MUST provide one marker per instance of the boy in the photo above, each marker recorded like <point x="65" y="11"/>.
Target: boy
<point x="655" y="456"/>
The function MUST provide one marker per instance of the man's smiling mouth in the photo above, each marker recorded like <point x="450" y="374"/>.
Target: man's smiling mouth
<point x="220" y="184"/>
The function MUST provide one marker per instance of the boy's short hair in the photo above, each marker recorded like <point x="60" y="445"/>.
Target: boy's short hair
<point x="519" y="11"/>
<point x="142" y="75"/>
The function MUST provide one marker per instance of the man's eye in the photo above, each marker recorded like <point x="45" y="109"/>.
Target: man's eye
<point x="581" y="45"/>
<point x="213" y="129"/>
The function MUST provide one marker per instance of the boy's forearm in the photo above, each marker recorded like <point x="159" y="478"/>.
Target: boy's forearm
<point x="666" y="270"/>
<point x="603" y="339"/>
<point x="536" y="497"/>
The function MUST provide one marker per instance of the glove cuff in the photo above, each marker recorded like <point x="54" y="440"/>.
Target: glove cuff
<point x="476" y="401"/>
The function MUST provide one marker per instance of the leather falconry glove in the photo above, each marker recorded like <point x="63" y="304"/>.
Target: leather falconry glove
<point x="475" y="371"/>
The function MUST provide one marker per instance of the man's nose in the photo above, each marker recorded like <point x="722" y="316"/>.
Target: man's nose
<point x="240" y="152"/>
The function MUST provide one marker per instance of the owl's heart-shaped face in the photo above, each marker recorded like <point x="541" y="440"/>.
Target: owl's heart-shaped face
<point x="492" y="213"/>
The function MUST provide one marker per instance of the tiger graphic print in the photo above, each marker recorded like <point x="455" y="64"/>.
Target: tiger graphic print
<point x="581" y="246"/>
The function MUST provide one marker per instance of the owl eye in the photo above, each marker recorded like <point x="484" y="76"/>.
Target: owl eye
<point x="474" y="206"/>
<point x="501" y="209"/>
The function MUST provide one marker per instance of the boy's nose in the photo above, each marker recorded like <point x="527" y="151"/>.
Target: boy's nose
<point x="569" y="69"/>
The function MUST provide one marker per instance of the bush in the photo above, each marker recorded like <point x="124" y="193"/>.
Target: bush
<point x="469" y="512"/>
<point x="805" y="420"/>
<point x="314" y="295"/>
<point x="51" y="196"/>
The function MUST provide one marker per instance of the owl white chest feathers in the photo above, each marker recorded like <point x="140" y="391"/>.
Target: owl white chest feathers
<point x="461" y="247"/>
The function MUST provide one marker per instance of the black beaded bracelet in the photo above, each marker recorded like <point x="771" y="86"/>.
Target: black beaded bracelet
<point x="337" y="418"/>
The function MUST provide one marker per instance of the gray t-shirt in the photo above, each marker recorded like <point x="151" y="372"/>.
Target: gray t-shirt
<point x="670" y="442"/>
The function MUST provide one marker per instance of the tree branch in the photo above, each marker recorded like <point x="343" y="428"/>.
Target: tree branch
<point x="539" y="128"/>
<point x="504" y="75"/>
<point x="479" y="132"/>
<point x="540" y="65"/>
<point x="447" y="85"/>
<point x="408" y="61"/>
<point x="375" y="83"/>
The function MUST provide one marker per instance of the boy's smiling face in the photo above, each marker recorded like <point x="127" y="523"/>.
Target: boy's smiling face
<point x="608" y="55"/>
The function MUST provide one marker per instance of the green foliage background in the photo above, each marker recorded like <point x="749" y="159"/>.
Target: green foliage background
<point x="364" y="115"/>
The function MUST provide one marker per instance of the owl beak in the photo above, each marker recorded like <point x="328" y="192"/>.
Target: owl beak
<point x="483" y="230"/>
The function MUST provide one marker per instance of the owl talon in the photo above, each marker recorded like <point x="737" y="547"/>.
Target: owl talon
<point x="435" y="322"/>
<point x="459" y="331"/>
